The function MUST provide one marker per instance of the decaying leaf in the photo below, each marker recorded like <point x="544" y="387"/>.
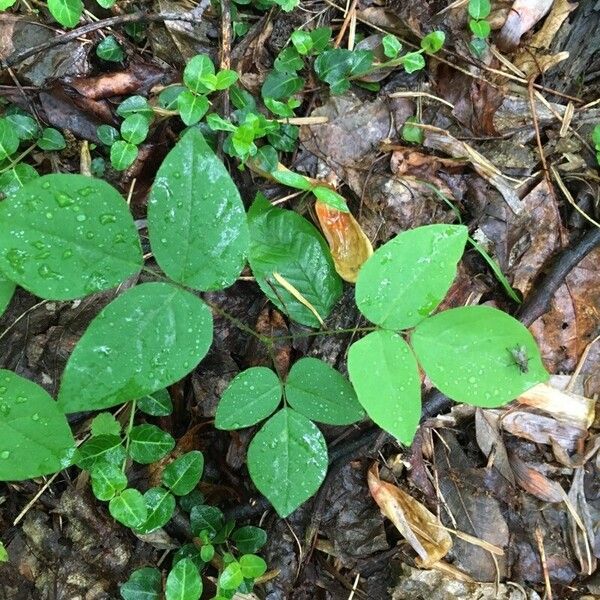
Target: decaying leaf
<point x="349" y="245"/>
<point x="418" y="525"/>
<point x="523" y="15"/>
<point x="564" y="406"/>
<point x="535" y="482"/>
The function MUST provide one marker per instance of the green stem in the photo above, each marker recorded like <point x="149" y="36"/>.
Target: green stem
<point x="17" y="160"/>
<point x="128" y="430"/>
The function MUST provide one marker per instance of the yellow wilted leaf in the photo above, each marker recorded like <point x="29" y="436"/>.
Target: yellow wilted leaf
<point x="418" y="525"/>
<point x="349" y="245"/>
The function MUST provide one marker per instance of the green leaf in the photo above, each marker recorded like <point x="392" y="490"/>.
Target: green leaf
<point x="413" y="61"/>
<point x="9" y="140"/>
<point x="24" y="126"/>
<point x="183" y="474"/>
<point x="67" y="236"/>
<point x="167" y="99"/>
<point x="129" y="508"/>
<point x="149" y="337"/>
<point x="287" y="460"/>
<point x="207" y="552"/>
<point x="231" y="577"/>
<point x="288" y="61"/>
<point x="241" y="99"/>
<point x="407" y="278"/>
<point x="226" y="78"/>
<point x="197" y="73"/>
<point x="191" y="107"/>
<point x="109" y="49"/>
<point x="596" y="135"/>
<point x="250" y="397"/>
<point x="283" y="242"/>
<point x="479" y="9"/>
<point x="122" y="155"/>
<point x="266" y="158"/>
<point x="105" y="424"/>
<point x="279" y="108"/>
<point x="204" y="518"/>
<point x="134" y="105"/>
<point x="249" y="539"/>
<point x="7" y="289"/>
<point x="281" y="85"/>
<point x="51" y="139"/>
<point x="66" y="12"/>
<point x="391" y="45"/>
<point x="320" y="38"/>
<point x="160" y="505"/>
<point x="98" y="450"/>
<point x="157" y="404"/>
<point x="433" y="42"/>
<point x="107" y="134"/>
<point x="336" y="66"/>
<point x="35" y="438"/>
<point x="106" y="3"/>
<point x="14" y="179"/>
<point x="189" y="551"/>
<point x="108" y="480"/>
<point x="143" y="584"/>
<point x="322" y="393"/>
<point x="478" y="47"/>
<point x="149" y="443"/>
<point x="480" y="29"/>
<point x="386" y="378"/>
<point x="285" y="138"/>
<point x="291" y="179"/>
<point x="218" y="123"/>
<point x="302" y="41"/>
<point x="410" y="133"/>
<point x="134" y="128"/>
<point x="468" y="355"/>
<point x="330" y="197"/>
<point x="4" y="4"/>
<point x="252" y="566"/>
<point x="193" y="193"/>
<point x="194" y="498"/>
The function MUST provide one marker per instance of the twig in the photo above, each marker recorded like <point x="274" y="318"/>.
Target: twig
<point x="15" y="59"/>
<point x="539" y="538"/>
<point x="537" y="304"/>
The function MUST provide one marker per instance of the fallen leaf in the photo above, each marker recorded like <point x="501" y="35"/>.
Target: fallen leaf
<point x="349" y="245"/>
<point x="523" y="15"/>
<point x="418" y="526"/>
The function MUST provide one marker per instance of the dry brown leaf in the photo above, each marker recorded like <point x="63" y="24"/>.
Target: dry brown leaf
<point x="534" y="482"/>
<point x="417" y="525"/>
<point x="489" y="439"/>
<point x="523" y="15"/>
<point x="349" y="245"/>
<point x="567" y="407"/>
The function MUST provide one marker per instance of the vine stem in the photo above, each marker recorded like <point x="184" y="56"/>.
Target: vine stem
<point x="128" y="431"/>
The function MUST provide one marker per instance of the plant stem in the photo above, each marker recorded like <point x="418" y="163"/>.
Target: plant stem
<point x="128" y="431"/>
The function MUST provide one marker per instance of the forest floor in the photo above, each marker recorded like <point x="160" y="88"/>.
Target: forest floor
<point x="504" y="138"/>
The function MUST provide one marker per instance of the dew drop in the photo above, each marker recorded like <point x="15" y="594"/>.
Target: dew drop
<point x="5" y="454"/>
<point x="80" y="218"/>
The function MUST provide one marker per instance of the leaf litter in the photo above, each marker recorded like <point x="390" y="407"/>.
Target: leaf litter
<point x="483" y="495"/>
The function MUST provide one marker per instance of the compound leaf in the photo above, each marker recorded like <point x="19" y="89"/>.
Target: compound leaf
<point x="469" y="354"/>
<point x="67" y="236"/>
<point x="287" y="460"/>
<point x="35" y="438"/>
<point x="196" y="218"/>
<point x="385" y="376"/>
<point x="406" y="278"/>
<point x="147" y="338"/>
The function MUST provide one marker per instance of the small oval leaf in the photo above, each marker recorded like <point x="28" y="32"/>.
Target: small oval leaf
<point x="184" y="582"/>
<point x="129" y="508"/>
<point x="321" y="393"/>
<point x="183" y="474"/>
<point x="149" y="443"/>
